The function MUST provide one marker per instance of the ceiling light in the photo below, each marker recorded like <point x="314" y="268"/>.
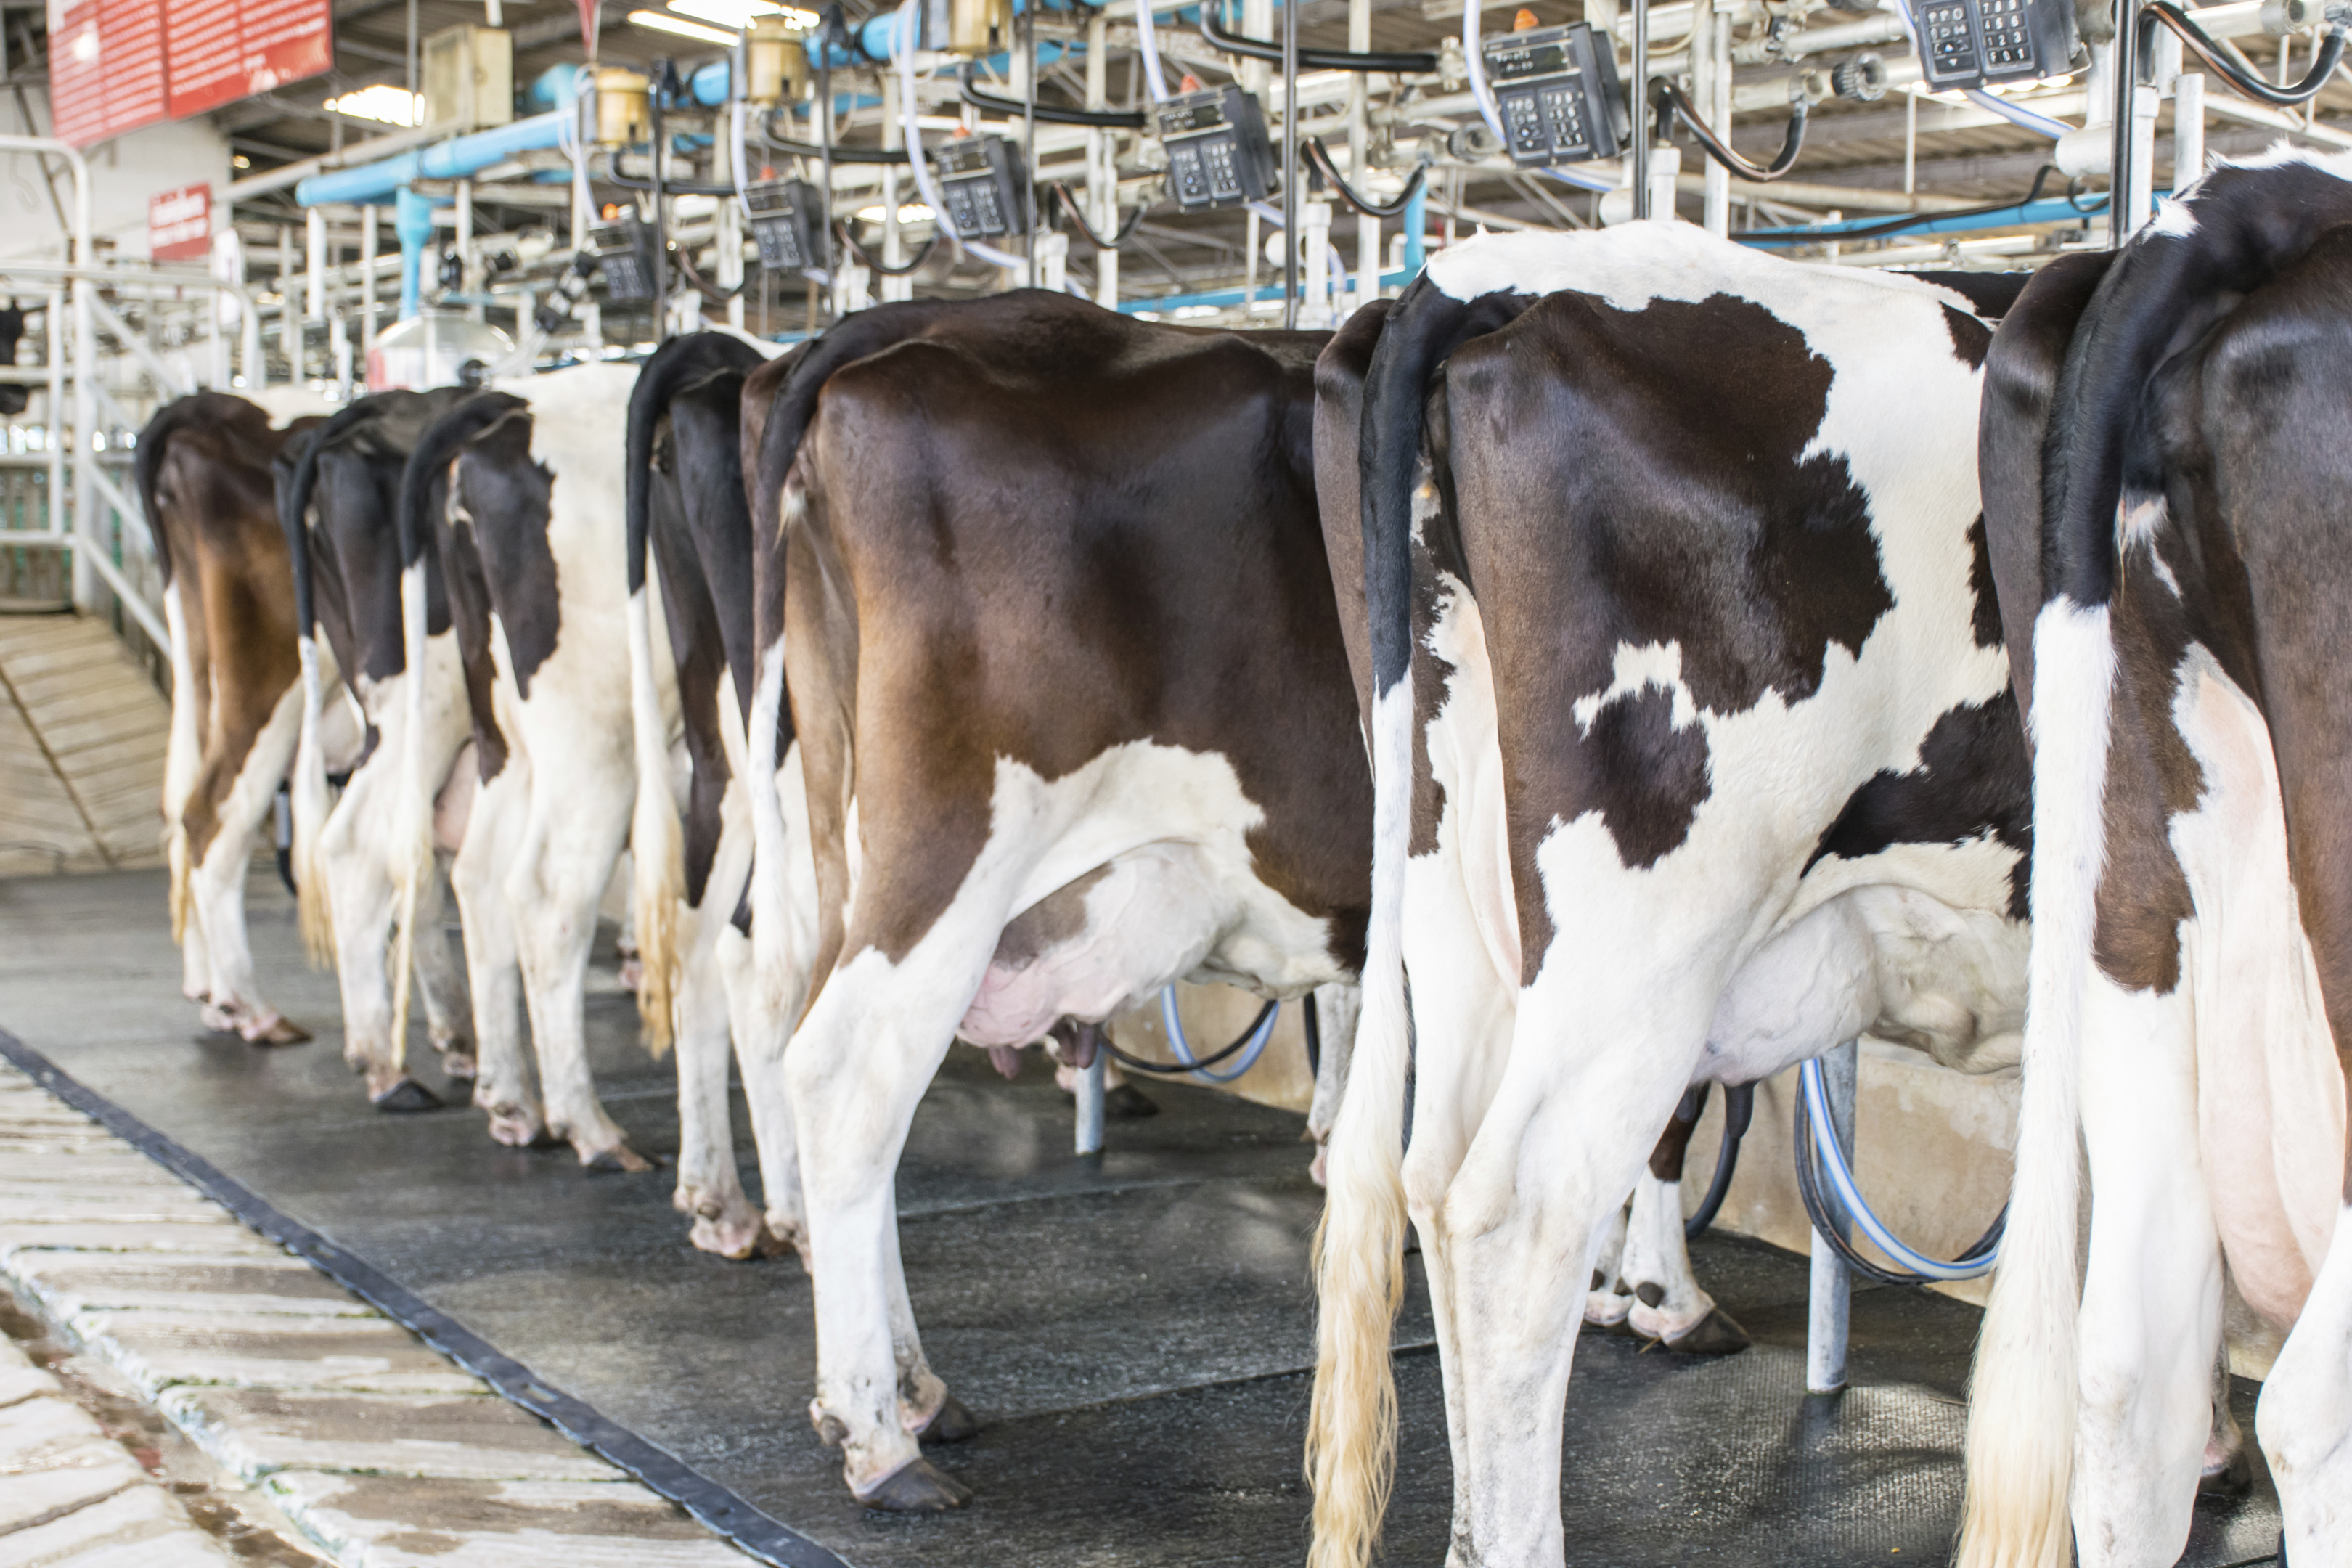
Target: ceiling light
<point x="740" y="13"/>
<point x="385" y="103"/>
<point x="661" y="21"/>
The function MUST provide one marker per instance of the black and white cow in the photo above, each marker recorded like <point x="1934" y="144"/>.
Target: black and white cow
<point x="204" y="477"/>
<point x="338" y="495"/>
<point x="519" y="495"/>
<point x="2166" y="462"/>
<point x="1075" y="719"/>
<point x="1695" y="754"/>
<point x="691" y="836"/>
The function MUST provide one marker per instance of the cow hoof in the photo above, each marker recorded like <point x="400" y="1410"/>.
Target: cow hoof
<point x="218" y="1019"/>
<point x="620" y="1159"/>
<point x="916" y="1487"/>
<point x="1129" y="1103"/>
<point x="2230" y="1482"/>
<point x="278" y="1031"/>
<point x="1714" y="1334"/>
<point x="458" y="1061"/>
<point x="517" y="1127"/>
<point x="405" y="1097"/>
<point x="732" y="1230"/>
<point x="633" y="974"/>
<point x="953" y="1422"/>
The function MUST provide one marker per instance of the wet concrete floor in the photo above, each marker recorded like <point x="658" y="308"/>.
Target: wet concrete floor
<point x="1136" y="1331"/>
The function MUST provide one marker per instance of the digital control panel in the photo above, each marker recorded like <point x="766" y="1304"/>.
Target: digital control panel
<point x="1219" y="154"/>
<point x="787" y="219"/>
<point x="624" y="248"/>
<point x="1968" y="43"/>
<point x="1557" y="95"/>
<point x="980" y="181"/>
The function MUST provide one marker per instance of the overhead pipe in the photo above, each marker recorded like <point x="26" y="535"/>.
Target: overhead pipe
<point x="452" y="160"/>
<point x="411" y="221"/>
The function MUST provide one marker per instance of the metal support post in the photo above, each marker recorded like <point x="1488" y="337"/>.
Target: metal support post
<point x="1313" y="255"/>
<point x="2188" y="130"/>
<point x="54" y="355"/>
<point x="1711" y="84"/>
<point x="2122" y="176"/>
<point x="894" y="248"/>
<point x="1638" y="96"/>
<point x="469" y="275"/>
<point x="314" y="265"/>
<point x="728" y="232"/>
<point x="1102" y="162"/>
<point x="1832" y="1281"/>
<point x="1090" y="1104"/>
<point x="1289" y="165"/>
<point x="367" y="284"/>
<point x="1360" y="159"/>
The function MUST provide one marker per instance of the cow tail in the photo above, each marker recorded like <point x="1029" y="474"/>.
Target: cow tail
<point x="1360" y="1247"/>
<point x="310" y="799"/>
<point x="411" y="843"/>
<point x="657" y="842"/>
<point x="183" y="751"/>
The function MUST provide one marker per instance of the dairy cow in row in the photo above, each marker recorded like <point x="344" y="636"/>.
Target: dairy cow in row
<point x="1695" y="755"/>
<point x="1074" y="721"/>
<point x="203" y="471"/>
<point x="338" y="494"/>
<point x="2165" y="463"/>
<point x="519" y="498"/>
<point x="691" y="839"/>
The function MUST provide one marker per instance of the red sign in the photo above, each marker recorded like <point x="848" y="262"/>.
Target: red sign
<point x="222" y="50"/>
<point x="590" y="17"/>
<point x="106" y="69"/>
<point x="180" y="224"/>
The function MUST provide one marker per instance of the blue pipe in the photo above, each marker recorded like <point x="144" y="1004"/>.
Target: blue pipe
<point x="412" y="220"/>
<point x="2050" y="209"/>
<point x="712" y="85"/>
<point x="451" y="159"/>
<point x="1225" y="298"/>
<point x="1416" y="225"/>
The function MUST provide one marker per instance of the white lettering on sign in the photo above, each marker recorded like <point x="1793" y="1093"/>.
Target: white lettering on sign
<point x="180" y="224"/>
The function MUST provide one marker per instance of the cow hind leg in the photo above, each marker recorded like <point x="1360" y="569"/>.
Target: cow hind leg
<point x="241" y="801"/>
<point x="2305" y="1419"/>
<point x="709" y="1190"/>
<point x="442" y="986"/>
<point x="759" y="1053"/>
<point x="2151" y="1315"/>
<point x="1669" y="1305"/>
<point x="504" y="1085"/>
<point x="390" y="1087"/>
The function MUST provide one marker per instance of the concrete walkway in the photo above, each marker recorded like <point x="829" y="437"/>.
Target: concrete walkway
<point x="82" y="735"/>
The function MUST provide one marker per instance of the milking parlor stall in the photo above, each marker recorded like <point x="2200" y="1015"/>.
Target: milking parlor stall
<point x="1080" y="783"/>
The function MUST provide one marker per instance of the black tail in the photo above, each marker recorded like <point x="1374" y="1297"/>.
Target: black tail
<point x="294" y="498"/>
<point x="155" y="441"/>
<point x="672" y="367"/>
<point x="434" y="451"/>
<point x="1426" y="325"/>
<point x="2163" y="292"/>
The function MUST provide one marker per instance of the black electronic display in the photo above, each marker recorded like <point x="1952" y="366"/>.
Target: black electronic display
<point x="787" y="219"/>
<point x="1965" y="44"/>
<point x="624" y="248"/>
<point x="980" y="181"/>
<point x="1219" y="154"/>
<point x="1557" y="95"/>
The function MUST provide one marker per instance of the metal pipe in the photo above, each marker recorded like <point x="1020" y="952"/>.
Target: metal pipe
<point x="2126" y="48"/>
<point x="2188" y="130"/>
<point x="1289" y="164"/>
<point x="355" y="154"/>
<point x="1367" y="228"/>
<point x="1639" y="98"/>
<point x="367" y="278"/>
<point x="451" y="159"/>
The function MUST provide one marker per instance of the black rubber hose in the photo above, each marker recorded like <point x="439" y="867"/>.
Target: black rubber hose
<point x="887" y="271"/>
<point x="2323" y="66"/>
<point x="1904" y="225"/>
<point x="1069" y="204"/>
<point x="1165" y="1069"/>
<point x="840" y="154"/>
<point x="1396" y="63"/>
<point x="1817" y="1210"/>
<point x="1739" y="1111"/>
<point x="613" y="176"/>
<point x="1665" y="96"/>
<point x="1320" y="157"/>
<point x="1052" y="114"/>
<point x="1310" y="1023"/>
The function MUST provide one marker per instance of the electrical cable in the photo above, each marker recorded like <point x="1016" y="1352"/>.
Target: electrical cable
<point x="841" y="230"/>
<point x="1069" y="204"/>
<point x="1147" y="38"/>
<point x="909" y="31"/>
<point x="1052" y="114"/>
<point x="2201" y="44"/>
<point x="1915" y="220"/>
<point x="1319" y="156"/>
<point x="1670" y="102"/>
<point x="1394" y="63"/>
<point x="1817" y="1146"/>
<point x="613" y="176"/>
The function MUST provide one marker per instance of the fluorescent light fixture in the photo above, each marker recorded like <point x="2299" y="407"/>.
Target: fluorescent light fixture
<point x="739" y="13"/>
<point x="912" y="212"/>
<point x="661" y="21"/>
<point x="383" y="102"/>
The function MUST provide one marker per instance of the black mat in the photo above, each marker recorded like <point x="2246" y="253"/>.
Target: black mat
<point x="1134" y="1330"/>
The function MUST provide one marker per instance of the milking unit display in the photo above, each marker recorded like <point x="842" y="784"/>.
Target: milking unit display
<point x="897" y="527"/>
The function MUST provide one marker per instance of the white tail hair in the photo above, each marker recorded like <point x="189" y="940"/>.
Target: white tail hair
<point x="310" y="803"/>
<point x="410" y="847"/>
<point x="2024" y="1390"/>
<point x="1360" y="1246"/>
<point x="656" y="845"/>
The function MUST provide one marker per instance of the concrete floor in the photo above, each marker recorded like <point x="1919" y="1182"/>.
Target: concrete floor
<point x="1134" y="1333"/>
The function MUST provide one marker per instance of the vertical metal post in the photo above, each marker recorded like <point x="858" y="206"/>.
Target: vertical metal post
<point x="54" y="314"/>
<point x="314" y="264"/>
<point x="1638" y="87"/>
<point x="892" y="247"/>
<point x="367" y="282"/>
<point x="1360" y="159"/>
<point x="2188" y="130"/>
<point x="1102" y="172"/>
<point x="728" y="224"/>
<point x="2120" y="218"/>
<point x="1289" y="163"/>
<point x="466" y="271"/>
<point x="1832" y="1281"/>
<point x="1029" y="132"/>
<point x="1090" y="1104"/>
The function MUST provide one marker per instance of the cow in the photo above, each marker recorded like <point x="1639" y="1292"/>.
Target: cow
<point x="2164" y="466"/>
<point x="203" y="470"/>
<point x="1075" y="722"/>
<point x="691" y="847"/>
<point x="518" y="493"/>
<point x="1695" y="754"/>
<point x="338" y="494"/>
